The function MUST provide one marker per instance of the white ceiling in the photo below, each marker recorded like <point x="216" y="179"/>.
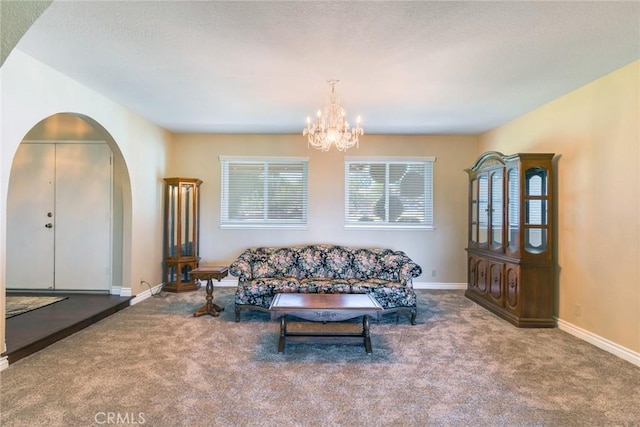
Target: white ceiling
<point x="420" y="67"/>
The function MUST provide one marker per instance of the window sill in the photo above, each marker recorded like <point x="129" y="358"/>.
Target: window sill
<point x="264" y="226"/>
<point x="389" y="227"/>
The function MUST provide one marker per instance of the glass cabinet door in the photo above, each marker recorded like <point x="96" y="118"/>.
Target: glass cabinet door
<point x="483" y="208"/>
<point x="187" y="223"/>
<point x="473" y="226"/>
<point x="171" y="231"/>
<point x="536" y="215"/>
<point x="496" y="209"/>
<point x="513" y="209"/>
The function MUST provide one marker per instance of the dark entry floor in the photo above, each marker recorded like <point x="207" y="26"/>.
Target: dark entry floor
<point x="30" y="332"/>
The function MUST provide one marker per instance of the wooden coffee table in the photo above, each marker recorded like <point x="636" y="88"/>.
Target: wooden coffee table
<point x="330" y="309"/>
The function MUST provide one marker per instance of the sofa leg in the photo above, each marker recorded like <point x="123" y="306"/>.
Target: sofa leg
<point x="412" y="316"/>
<point x="237" y="313"/>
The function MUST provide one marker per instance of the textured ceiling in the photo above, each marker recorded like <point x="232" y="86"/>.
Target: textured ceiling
<point x="15" y="18"/>
<point x="405" y="67"/>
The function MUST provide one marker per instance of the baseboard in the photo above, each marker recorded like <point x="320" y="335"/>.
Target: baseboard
<point x="4" y="363"/>
<point x="228" y="282"/>
<point x="120" y="291"/>
<point x="439" y="286"/>
<point x="145" y="294"/>
<point x="602" y="343"/>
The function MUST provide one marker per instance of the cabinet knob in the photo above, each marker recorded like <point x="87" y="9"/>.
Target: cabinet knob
<point x="49" y="225"/>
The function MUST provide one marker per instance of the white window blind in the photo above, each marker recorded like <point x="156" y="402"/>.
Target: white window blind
<point x="263" y="192"/>
<point x="392" y="192"/>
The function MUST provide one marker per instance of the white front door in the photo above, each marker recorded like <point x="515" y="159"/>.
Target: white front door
<point x="30" y="209"/>
<point x="83" y="217"/>
<point x="79" y="235"/>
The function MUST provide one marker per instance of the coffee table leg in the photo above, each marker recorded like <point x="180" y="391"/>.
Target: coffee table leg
<point x="365" y="333"/>
<point x="283" y="334"/>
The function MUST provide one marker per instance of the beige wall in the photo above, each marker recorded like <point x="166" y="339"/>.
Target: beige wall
<point x="595" y="132"/>
<point x="442" y="250"/>
<point x="31" y="92"/>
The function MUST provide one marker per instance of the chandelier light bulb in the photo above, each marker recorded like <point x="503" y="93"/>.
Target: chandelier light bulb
<point x="331" y="127"/>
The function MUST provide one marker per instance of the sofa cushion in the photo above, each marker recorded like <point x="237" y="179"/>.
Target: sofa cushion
<point x="366" y="286"/>
<point x="311" y="262"/>
<point x="339" y="263"/>
<point x="324" y="286"/>
<point x="279" y="262"/>
<point x="282" y="284"/>
<point x="365" y="263"/>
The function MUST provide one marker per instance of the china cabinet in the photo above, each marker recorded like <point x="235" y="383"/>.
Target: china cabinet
<point x="181" y="232"/>
<point x="511" y="263"/>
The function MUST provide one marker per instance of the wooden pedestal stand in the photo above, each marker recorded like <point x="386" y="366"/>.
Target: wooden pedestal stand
<point x="208" y="274"/>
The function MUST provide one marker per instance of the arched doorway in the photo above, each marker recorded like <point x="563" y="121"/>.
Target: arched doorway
<point x="77" y="139"/>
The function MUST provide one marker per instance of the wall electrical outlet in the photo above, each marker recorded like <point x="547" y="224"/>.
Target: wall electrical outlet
<point x="433" y="273"/>
<point x="577" y="310"/>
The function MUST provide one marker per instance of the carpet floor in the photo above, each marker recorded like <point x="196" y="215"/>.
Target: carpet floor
<point x="155" y="364"/>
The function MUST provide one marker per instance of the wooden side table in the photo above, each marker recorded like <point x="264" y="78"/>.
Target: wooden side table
<point x="209" y="273"/>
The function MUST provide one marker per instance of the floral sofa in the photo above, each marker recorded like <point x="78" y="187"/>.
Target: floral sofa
<point x="263" y="272"/>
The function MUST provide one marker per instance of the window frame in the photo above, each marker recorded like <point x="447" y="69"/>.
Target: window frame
<point x="428" y="210"/>
<point x="226" y="223"/>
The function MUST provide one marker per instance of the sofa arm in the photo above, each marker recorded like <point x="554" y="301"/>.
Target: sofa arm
<point x="409" y="271"/>
<point x="242" y="267"/>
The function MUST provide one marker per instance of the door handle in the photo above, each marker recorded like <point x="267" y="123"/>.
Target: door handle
<point x="49" y="225"/>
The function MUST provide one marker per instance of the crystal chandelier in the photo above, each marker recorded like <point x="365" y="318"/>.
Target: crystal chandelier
<point x="331" y="126"/>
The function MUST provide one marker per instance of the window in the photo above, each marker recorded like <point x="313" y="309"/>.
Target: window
<point x="263" y="192"/>
<point x="389" y="193"/>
